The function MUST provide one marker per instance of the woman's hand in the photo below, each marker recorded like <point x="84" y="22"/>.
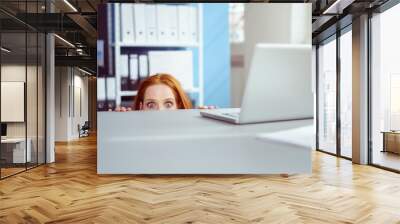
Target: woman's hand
<point x="121" y="109"/>
<point x="207" y="107"/>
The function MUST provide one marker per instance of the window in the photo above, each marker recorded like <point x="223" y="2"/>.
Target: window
<point x="385" y="89"/>
<point x="346" y="94"/>
<point x="236" y="22"/>
<point x="395" y="101"/>
<point x="327" y="96"/>
<point x="22" y="72"/>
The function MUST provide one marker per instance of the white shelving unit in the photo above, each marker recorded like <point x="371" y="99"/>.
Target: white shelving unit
<point x="118" y="44"/>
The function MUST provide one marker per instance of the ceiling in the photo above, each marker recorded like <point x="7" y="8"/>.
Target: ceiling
<point x="76" y="21"/>
<point x="72" y="20"/>
<point x="332" y="15"/>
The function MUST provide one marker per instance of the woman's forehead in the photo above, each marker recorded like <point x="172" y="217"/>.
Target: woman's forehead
<point x="158" y="91"/>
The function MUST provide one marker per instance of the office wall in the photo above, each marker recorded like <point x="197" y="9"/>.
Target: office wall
<point x="80" y="109"/>
<point x="268" y="23"/>
<point x="33" y="126"/>
<point x="16" y="72"/>
<point x="71" y="87"/>
<point x="216" y="55"/>
<point x="237" y="73"/>
<point x="62" y="81"/>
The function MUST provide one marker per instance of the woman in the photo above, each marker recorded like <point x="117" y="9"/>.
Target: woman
<point x="161" y="92"/>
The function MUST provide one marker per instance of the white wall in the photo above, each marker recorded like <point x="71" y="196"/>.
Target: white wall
<point x="238" y="77"/>
<point x="268" y="23"/>
<point x="61" y="103"/>
<point x="70" y="83"/>
<point x="79" y="117"/>
<point x="16" y="72"/>
<point x="34" y="126"/>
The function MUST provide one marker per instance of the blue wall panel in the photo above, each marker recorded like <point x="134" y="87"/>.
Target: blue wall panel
<point x="216" y="54"/>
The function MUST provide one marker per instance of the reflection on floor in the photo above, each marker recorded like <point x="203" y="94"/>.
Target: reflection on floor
<point x="10" y="171"/>
<point x="346" y="152"/>
<point x="386" y="159"/>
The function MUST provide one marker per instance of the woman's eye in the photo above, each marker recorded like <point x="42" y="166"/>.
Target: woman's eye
<point x="151" y="105"/>
<point x="169" y="104"/>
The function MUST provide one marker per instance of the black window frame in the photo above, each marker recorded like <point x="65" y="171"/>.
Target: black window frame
<point x="31" y="30"/>
<point x="333" y="37"/>
<point x="381" y="9"/>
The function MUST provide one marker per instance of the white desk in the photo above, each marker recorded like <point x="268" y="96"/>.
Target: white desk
<point x="18" y="150"/>
<point x="182" y="142"/>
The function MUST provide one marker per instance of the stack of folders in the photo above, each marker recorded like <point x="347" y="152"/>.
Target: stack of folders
<point x="133" y="70"/>
<point x="101" y="93"/>
<point x="143" y="67"/>
<point x="158" y="23"/>
<point x="106" y="94"/>
<point x="106" y="77"/>
<point x="124" y="72"/>
<point x="111" y="94"/>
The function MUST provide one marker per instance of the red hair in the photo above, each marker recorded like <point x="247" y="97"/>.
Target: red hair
<point x="182" y="100"/>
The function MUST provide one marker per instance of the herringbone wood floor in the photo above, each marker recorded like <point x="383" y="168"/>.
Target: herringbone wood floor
<point x="70" y="191"/>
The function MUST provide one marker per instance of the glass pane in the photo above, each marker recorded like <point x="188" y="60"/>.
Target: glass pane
<point x="236" y="22"/>
<point x="33" y="7"/>
<point x="386" y="89"/>
<point x="314" y="78"/>
<point x="327" y="96"/>
<point x="41" y="98"/>
<point x="346" y="94"/>
<point x="23" y="92"/>
<point x="31" y="100"/>
<point x="13" y="87"/>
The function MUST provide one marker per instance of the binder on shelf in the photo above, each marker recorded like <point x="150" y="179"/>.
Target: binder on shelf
<point x="127" y="101"/>
<point x="101" y="94"/>
<point x="162" y="22"/>
<point x="151" y="23"/>
<point x="126" y="21"/>
<point x="111" y="94"/>
<point x="143" y="67"/>
<point x="183" y="23"/>
<point x="124" y="71"/>
<point x="140" y="22"/>
<point x="193" y="14"/>
<point x="133" y="72"/>
<point x="172" y="29"/>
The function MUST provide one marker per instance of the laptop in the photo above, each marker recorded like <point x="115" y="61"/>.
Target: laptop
<point x="278" y="87"/>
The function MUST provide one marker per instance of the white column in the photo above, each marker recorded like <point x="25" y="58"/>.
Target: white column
<point x="50" y="100"/>
<point x="50" y="92"/>
<point x="360" y="90"/>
